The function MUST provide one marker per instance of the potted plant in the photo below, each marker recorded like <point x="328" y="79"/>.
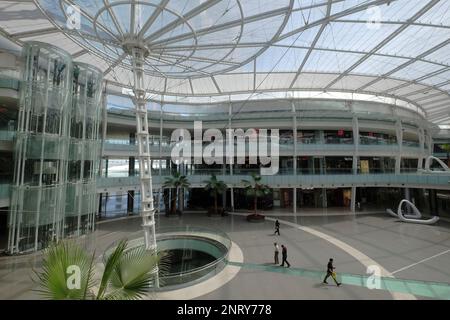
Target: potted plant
<point x="256" y="190"/>
<point x="176" y="182"/>
<point x="215" y="187"/>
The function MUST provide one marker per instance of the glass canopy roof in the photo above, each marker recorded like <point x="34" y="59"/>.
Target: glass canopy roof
<point x="391" y="50"/>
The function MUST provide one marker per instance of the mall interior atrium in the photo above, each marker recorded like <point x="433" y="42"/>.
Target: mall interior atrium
<point x="209" y="133"/>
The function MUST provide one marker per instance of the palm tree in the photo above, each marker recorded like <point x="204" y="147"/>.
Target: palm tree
<point x="127" y="273"/>
<point x="256" y="190"/>
<point x="215" y="187"/>
<point x="176" y="181"/>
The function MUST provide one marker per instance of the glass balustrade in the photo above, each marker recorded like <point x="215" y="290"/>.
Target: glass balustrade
<point x="303" y="143"/>
<point x="376" y="178"/>
<point x="412" y="144"/>
<point x="6" y="135"/>
<point x="5" y="190"/>
<point x="367" y="140"/>
<point x="336" y="140"/>
<point x="9" y="79"/>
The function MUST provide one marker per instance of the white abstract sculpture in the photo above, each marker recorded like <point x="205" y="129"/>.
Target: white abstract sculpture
<point x="414" y="217"/>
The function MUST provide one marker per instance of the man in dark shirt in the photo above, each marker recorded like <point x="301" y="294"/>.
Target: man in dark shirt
<point x="284" y="256"/>
<point x="330" y="272"/>
<point x="277" y="227"/>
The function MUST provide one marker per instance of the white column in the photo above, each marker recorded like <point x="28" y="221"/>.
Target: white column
<point x="142" y="137"/>
<point x="161" y="190"/>
<point x="429" y="139"/>
<point x="294" y="130"/>
<point x="399" y="133"/>
<point x="230" y="112"/>
<point x="355" y="127"/>
<point x="353" y="200"/>
<point x="324" y="198"/>
<point x="421" y="135"/>
<point x="104" y="129"/>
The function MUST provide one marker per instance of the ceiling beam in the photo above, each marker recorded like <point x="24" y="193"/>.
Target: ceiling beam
<point x="386" y="40"/>
<point x="79" y="53"/>
<point x="417" y="80"/>
<point x="113" y="17"/>
<point x="160" y="8"/>
<point x="419" y="24"/>
<point x="313" y="44"/>
<point x="334" y="17"/>
<point x="223" y="26"/>
<point x="194" y="12"/>
<point x="411" y="61"/>
<point x="115" y="64"/>
<point x="35" y="32"/>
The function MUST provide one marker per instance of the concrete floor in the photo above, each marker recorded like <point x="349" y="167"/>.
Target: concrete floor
<point x="409" y="251"/>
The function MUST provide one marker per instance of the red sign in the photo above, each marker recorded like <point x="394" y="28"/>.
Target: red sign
<point x="340" y="133"/>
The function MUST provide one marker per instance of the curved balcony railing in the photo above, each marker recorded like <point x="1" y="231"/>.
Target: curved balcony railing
<point x="286" y="147"/>
<point x="413" y="179"/>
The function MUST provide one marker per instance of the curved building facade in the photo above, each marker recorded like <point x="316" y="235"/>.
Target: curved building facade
<point x="332" y="153"/>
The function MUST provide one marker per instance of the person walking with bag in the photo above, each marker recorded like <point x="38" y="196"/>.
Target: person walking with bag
<point x="330" y="272"/>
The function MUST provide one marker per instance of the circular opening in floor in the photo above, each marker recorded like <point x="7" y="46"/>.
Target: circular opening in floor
<point x="193" y="254"/>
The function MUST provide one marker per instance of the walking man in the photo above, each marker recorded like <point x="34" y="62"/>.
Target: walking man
<point x="330" y="272"/>
<point x="277" y="227"/>
<point x="277" y="252"/>
<point x="284" y="256"/>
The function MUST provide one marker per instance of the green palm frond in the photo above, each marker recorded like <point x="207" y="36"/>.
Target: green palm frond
<point x="56" y="279"/>
<point x="127" y="275"/>
<point x="215" y="185"/>
<point x="255" y="188"/>
<point x="111" y="263"/>
<point x="176" y="181"/>
<point x="132" y="276"/>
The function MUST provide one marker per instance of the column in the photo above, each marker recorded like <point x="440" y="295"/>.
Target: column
<point x="294" y="131"/>
<point x="399" y="133"/>
<point x="130" y="193"/>
<point x="231" y="160"/>
<point x="104" y="128"/>
<point x="421" y="135"/>
<point x="324" y="198"/>
<point x="353" y="200"/>
<point x="355" y="128"/>
<point x="106" y="166"/>
<point x="161" y="191"/>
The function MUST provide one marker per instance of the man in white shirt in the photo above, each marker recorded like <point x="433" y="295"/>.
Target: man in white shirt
<point x="277" y="252"/>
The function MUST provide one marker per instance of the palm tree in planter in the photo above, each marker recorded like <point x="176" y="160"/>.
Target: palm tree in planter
<point x="256" y="190"/>
<point x="215" y="187"/>
<point x="176" y="182"/>
<point x="68" y="272"/>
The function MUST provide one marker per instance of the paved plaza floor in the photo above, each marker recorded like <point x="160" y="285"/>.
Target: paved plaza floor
<point x="413" y="259"/>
